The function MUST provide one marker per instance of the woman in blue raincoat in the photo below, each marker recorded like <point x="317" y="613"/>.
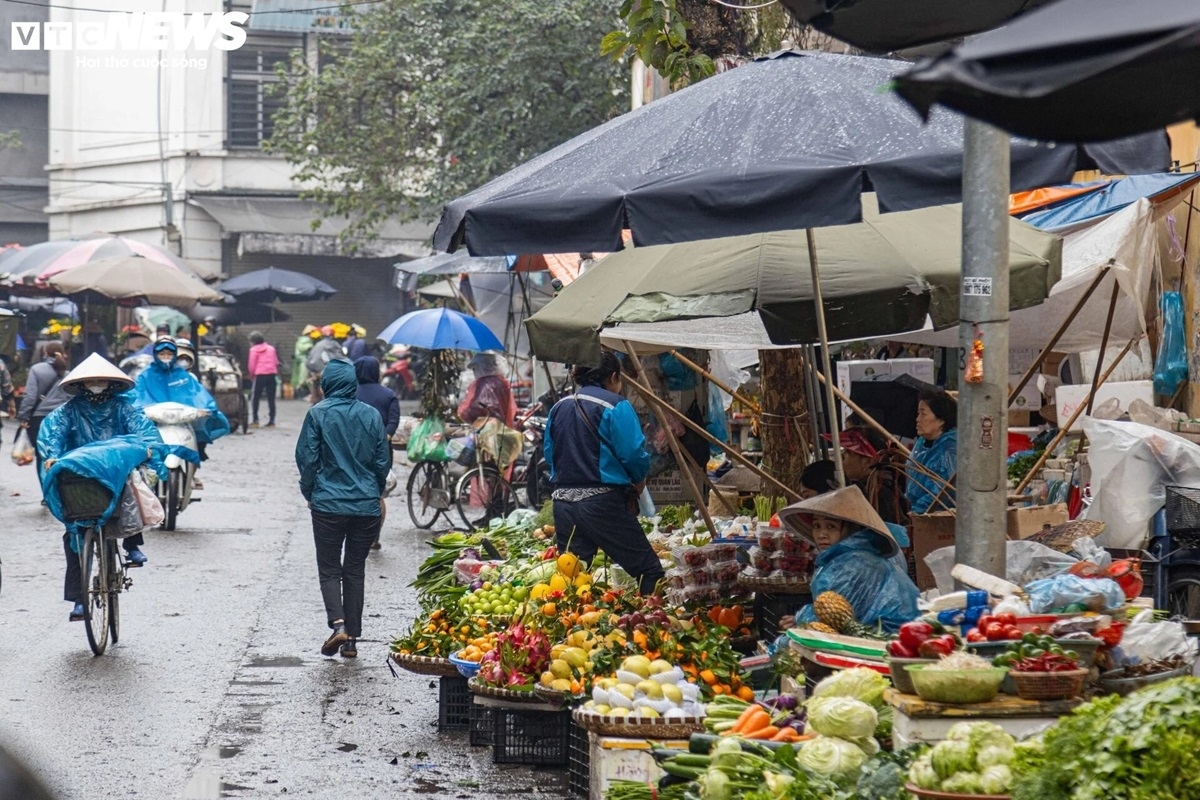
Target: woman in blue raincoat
<point x="166" y="382"/>
<point x="936" y="451"/>
<point x="100" y="409"/>
<point x="856" y="558"/>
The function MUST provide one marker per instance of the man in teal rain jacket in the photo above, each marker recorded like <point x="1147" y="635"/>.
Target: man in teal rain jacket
<point x="343" y="457"/>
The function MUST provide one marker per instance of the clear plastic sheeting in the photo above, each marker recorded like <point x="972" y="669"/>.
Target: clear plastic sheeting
<point x="1026" y="561"/>
<point x="1062" y="591"/>
<point x="1131" y="466"/>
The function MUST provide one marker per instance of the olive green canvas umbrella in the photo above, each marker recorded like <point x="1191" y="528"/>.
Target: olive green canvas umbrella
<point x="885" y="275"/>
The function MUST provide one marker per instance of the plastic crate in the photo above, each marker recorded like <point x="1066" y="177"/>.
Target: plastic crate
<point x="1183" y="516"/>
<point x="480" y="725"/>
<point x="578" y="764"/>
<point x="533" y="738"/>
<point x="770" y="608"/>
<point x="454" y="704"/>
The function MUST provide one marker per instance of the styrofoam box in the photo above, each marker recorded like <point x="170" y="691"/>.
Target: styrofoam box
<point x="908" y="731"/>
<point x="920" y="368"/>
<point x="1068" y="397"/>
<point x="850" y="371"/>
<point x="616" y="759"/>
<point x="1030" y="399"/>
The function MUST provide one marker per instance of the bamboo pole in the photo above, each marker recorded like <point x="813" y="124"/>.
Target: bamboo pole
<point x="1112" y="308"/>
<point x="1058" y="334"/>
<point x="1065" y="429"/>
<point x="819" y="303"/>
<point x="681" y="459"/>
<point x="708" y="437"/>
<point x="708" y="376"/>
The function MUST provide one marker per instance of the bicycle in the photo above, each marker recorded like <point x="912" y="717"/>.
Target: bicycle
<point x="102" y="567"/>
<point x="478" y="495"/>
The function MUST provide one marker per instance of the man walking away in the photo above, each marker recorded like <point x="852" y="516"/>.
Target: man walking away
<point x="263" y="365"/>
<point x="343" y="458"/>
<point x="383" y="400"/>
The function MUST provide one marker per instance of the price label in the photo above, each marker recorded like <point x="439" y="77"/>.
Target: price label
<point x="977" y="287"/>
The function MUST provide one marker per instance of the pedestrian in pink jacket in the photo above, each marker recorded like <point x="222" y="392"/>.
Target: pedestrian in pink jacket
<point x="264" y="370"/>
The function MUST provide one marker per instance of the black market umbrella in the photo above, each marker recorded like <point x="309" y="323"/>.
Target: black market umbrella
<point x="786" y="142"/>
<point x="237" y="314"/>
<point x="881" y="26"/>
<point x="276" y="285"/>
<point x="1078" y="70"/>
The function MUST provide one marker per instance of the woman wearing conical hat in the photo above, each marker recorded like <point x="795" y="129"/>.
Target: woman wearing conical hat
<point x="856" y="558"/>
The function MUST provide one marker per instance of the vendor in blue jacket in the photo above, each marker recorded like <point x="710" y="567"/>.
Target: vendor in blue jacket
<point x="598" y="464"/>
<point x="856" y="551"/>
<point x="164" y="381"/>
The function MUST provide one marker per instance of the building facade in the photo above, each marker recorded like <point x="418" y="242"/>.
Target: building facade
<point x="24" y="86"/>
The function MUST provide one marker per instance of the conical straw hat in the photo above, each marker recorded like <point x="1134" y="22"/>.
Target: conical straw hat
<point x="93" y="368"/>
<point x="846" y="504"/>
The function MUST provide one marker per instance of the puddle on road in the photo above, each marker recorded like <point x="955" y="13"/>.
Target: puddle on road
<point x="277" y="661"/>
<point x="228" y="751"/>
<point x="347" y="747"/>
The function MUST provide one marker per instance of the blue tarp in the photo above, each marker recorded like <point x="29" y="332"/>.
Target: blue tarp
<point x="1109" y="200"/>
<point x="109" y="462"/>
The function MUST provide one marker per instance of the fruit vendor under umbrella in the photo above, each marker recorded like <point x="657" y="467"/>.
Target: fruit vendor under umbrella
<point x="855" y="563"/>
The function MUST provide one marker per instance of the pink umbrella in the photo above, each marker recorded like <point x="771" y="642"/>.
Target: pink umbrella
<point x="40" y="262"/>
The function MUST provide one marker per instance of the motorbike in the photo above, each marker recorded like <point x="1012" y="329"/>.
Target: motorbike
<point x="174" y="422"/>
<point x="532" y="466"/>
<point x="399" y="378"/>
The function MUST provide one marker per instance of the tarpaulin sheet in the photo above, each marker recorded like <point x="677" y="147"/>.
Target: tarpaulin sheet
<point x="1108" y="200"/>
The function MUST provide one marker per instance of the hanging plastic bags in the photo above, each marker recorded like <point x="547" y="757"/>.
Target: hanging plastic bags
<point x="23" y="452"/>
<point x="1170" y="367"/>
<point x="718" y="424"/>
<point x="148" y="503"/>
<point x="428" y="441"/>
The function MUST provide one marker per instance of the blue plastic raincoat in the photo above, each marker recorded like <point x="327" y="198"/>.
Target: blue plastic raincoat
<point x="939" y="457"/>
<point x="342" y="453"/>
<point x="875" y="585"/>
<point x="104" y="441"/>
<point x="160" y="383"/>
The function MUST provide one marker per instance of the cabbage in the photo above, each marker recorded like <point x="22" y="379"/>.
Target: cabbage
<point x="996" y="779"/>
<point x="962" y="783"/>
<point x="950" y="757"/>
<point x="959" y="732"/>
<point x="831" y="756"/>
<point x="844" y="717"/>
<point x="987" y="734"/>
<point x="868" y="746"/>
<point x="860" y="683"/>
<point x="923" y="775"/>
<point x="994" y="754"/>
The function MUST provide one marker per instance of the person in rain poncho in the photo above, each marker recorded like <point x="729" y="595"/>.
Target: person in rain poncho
<point x="325" y="350"/>
<point x="164" y="381"/>
<point x="304" y="344"/>
<point x="489" y="395"/>
<point x="856" y="558"/>
<point x="936" y="451"/>
<point x="355" y="346"/>
<point x="383" y="400"/>
<point x="100" y="409"/>
<point x="344" y="458"/>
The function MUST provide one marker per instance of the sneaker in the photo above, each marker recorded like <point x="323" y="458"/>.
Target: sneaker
<point x="270" y="424"/>
<point x="197" y="483"/>
<point x="375" y="545"/>
<point x="78" y="613"/>
<point x="253" y="424"/>
<point x="335" y="640"/>
<point x="350" y="649"/>
<point x="135" y="557"/>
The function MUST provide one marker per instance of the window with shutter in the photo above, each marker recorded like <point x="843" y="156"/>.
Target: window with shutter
<point x="252" y="73"/>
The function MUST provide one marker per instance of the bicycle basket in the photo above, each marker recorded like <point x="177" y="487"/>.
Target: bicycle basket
<point x="82" y="498"/>
<point x="1183" y="516"/>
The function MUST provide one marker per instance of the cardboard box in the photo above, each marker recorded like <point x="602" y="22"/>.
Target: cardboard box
<point x="850" y="371"/>
<point x="935" y="531"/>
<point x="1030" y="399"/>
<point x="1069" y="397"/>
<point x="669" y="488"/>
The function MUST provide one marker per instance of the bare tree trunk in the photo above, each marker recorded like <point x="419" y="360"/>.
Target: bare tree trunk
<point x="784" y="424"/>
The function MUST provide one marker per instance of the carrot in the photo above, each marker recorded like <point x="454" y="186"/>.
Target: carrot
<point x="762" y="734"/>
<point x="756" y="721"/>
<point x="743" y="717"/>
<point x="786" y="734"/>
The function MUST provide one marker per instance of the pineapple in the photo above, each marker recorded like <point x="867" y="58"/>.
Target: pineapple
<point x="820" y="627"/>
<point x="834" y="610"/>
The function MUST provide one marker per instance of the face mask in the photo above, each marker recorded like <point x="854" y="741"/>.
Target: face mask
<point x="96" y="387"/>
<point x="165" y="357"/>
<point x="184" y="363"/>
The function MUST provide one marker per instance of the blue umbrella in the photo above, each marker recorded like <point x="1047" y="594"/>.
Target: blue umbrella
<point x="441" y="329"/>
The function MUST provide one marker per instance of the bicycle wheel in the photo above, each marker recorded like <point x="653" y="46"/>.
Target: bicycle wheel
<point x="1183" y="592"/>
<point x="537" y="483"/>
<point x="116" y="580"/>
<point x="428" y="493"/>
<point x="482" y="494"/>
<point x="94" y="568"/>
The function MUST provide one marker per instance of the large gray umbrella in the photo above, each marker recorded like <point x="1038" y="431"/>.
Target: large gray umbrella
<point x="1078" y="70"/>
<point x="136" y="279"/>
<point x="786" y="142"/>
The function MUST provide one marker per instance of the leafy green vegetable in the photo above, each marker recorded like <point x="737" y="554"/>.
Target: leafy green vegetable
<point x="545" y="515"/>
<point x="831" y="756"/>
<point x="993" y="755"/>
<point x="923" y="774"/>
<point x="859" y="683"/>
<point x="962" y="783"/>
<point x="843" y="717"/>
<point x="996" y="779"/>
<point x="953" y="756"/>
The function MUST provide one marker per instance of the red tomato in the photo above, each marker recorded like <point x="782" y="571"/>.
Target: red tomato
<point x="994" y="631"/>
<point x="984" y="621"/>
<point x="974" y="635"/>
<point x="1007" y="618"/>
<point x="1013" y="632"/>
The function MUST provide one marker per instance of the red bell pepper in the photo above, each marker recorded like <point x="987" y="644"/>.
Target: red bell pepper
<point x="896" y="649"/>
<point x="937" y="647"/>
<point x="914" y="634"/>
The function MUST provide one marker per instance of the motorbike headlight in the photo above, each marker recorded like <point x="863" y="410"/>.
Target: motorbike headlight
<point x="530" y="436"/>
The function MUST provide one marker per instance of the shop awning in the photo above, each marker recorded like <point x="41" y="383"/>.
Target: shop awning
<point x="1160" y="189"/>
<point x="283" y="225"/>
<point x="563" y="266"/>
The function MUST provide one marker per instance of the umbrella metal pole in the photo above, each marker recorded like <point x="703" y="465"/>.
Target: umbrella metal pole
<point x="830" y="400"/>
<point x="983" y="312"/>
<point x="810" y="397"/>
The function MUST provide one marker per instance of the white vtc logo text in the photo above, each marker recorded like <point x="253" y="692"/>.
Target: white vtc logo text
<point x="164" y="30"/>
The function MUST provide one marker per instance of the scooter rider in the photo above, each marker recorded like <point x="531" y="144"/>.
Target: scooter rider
<point x="100" y="408"/>
<point x="166" y="382"/>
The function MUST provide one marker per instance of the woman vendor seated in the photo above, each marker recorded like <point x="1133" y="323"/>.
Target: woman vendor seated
<point x="856" y="550"/>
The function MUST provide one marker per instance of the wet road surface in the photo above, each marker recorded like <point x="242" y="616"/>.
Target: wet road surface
<point x="217" y="688"/>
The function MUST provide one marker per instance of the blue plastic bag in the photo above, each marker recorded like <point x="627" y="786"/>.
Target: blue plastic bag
<point x="876" y="586"/>
<point x="717" y="424"/>
<point x="677" y="376"/>
<point x="1170" y="367"/>
<point x="1051" y="594"/>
